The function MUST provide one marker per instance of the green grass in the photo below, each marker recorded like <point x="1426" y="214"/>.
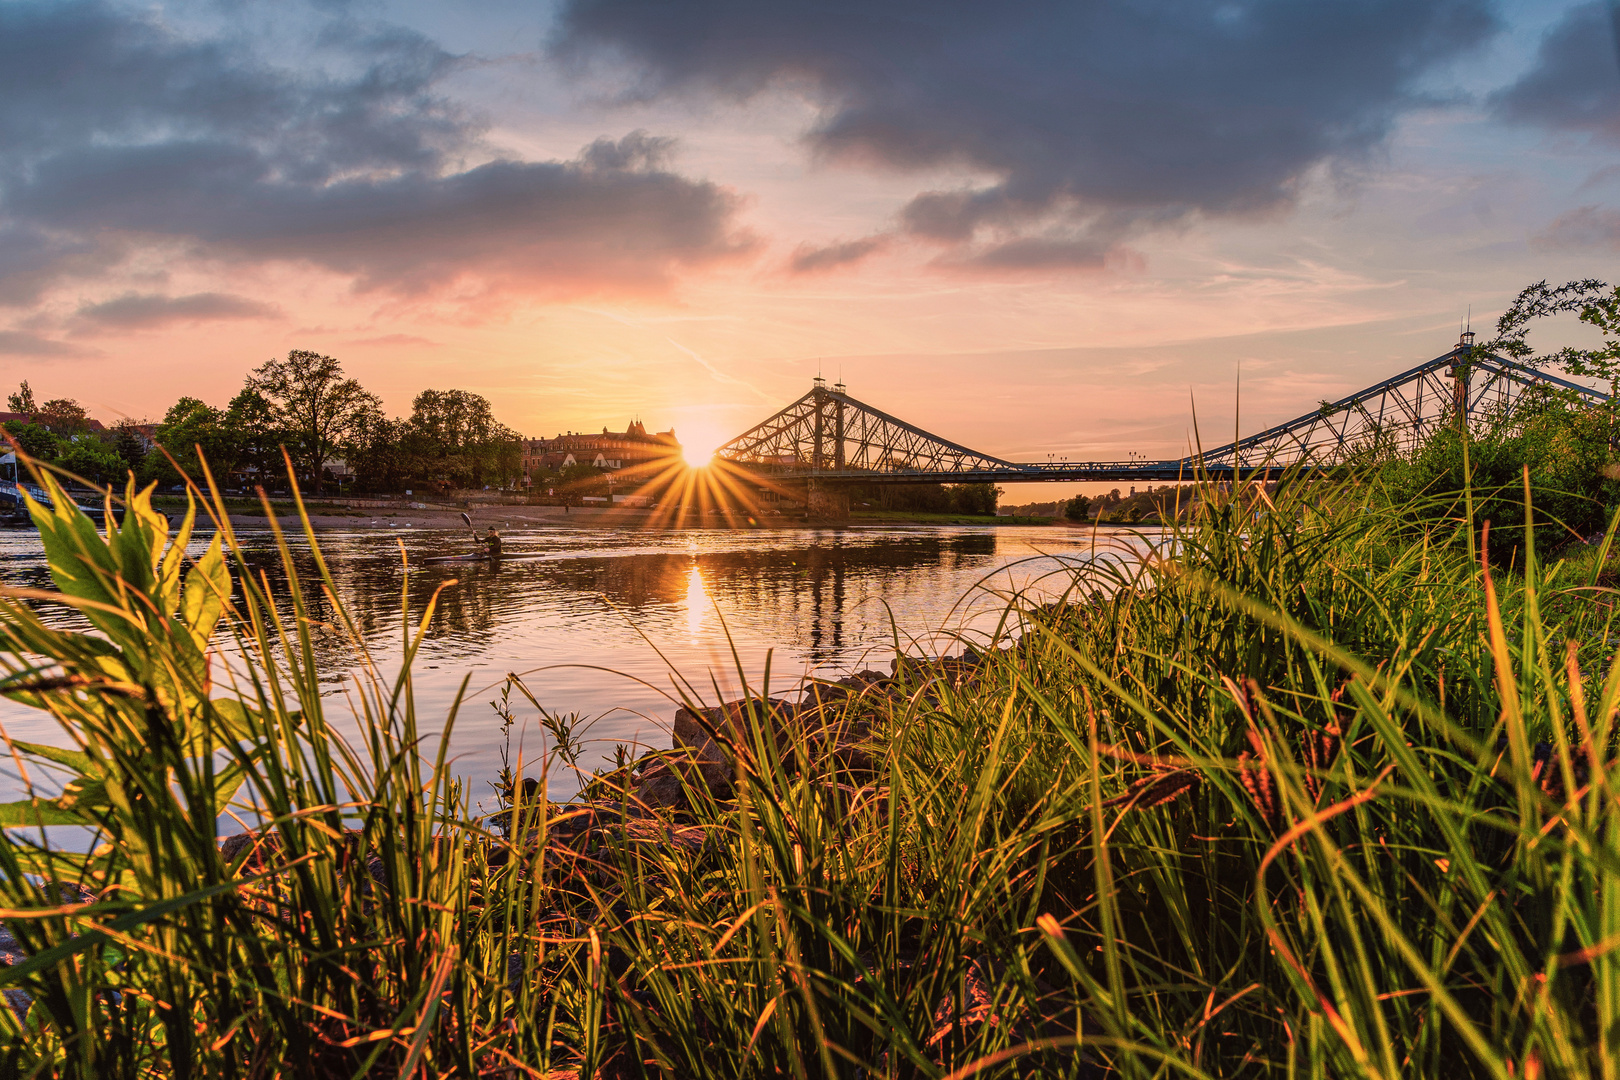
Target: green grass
<point x="1268" y="804"/>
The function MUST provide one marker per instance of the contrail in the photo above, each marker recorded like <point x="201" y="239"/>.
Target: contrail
<point x="721" y="376"/>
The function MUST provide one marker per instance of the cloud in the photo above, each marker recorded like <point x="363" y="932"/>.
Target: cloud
<point x="135" y="311"/>
<point x="1103" y="119"/>
<point x="1575" y="83"/>
<point x="394" y="341"/>
<point x="809" y="259"/>
<point x="120" y="133"/>
<point x="23" y="343"/>
<point x="1587" y="228"/>
<point x="1035" y="253"/>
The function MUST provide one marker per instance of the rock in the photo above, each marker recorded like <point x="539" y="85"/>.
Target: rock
<point x="56" y="893"/>
<point x="731" y="720"/>
<point x="666" y="785"/>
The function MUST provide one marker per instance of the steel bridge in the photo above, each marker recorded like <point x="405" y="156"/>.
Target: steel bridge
<point x="827" y="435"/>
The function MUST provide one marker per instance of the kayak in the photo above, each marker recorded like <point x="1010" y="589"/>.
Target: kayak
<point x="476" y="557"/>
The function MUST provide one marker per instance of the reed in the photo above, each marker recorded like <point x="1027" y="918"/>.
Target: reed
<point x="1304" y="793"/>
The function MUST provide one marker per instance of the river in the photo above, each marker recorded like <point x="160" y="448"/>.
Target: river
<point x="600" y="624"/>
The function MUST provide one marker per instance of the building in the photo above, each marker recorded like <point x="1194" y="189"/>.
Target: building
<point x="91" y="424"/>
<point x="611" y="451"/>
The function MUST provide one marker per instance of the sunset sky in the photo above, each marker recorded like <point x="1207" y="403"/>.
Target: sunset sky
<point x="1035" y="227"/>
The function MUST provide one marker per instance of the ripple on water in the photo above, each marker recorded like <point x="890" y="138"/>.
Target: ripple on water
<point x="565" y="604"/>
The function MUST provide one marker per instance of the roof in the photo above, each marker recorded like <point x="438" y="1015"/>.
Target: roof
<point x="29" y="418"/>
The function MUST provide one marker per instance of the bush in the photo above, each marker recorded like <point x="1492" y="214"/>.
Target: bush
<point x="1566" y="448"/>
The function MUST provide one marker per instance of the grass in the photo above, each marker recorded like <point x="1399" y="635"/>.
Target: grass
<point x="1308" y="794"/>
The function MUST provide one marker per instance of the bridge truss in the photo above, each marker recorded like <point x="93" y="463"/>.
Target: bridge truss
<point x="828" y="435"/>
<point x="1401" y="412"/>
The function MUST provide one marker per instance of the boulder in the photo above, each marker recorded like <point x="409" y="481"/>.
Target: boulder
<point x="731" y="720"/>
<point x="665" y="784"/>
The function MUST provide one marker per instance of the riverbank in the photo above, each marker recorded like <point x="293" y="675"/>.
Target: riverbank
<point x="429" y="516"/>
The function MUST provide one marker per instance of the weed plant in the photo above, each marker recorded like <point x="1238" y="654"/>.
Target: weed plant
<point x="1300" y="794"/>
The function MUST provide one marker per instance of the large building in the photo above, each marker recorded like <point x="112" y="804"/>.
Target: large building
<point x="611" y="451"/>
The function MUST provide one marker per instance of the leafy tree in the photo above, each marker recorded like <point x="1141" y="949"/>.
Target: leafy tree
<point x="22" y="401"/>
<point x="94" y="460"/>
<point x="316" y="407"/>
<point x="461" y="442"/>
<point x="1563" y="442"/>
<point x="36" y="440"/>
<point x="191" y="423"/>
<point x="379" y="453"/>
<point x="977" y="499"/>
<point x="1076" y="509"/>
<point x="251" y="422"/>
<point x="129" y="443"/>
<point x="1588" y="300"/>
<point x="63" y="416"/>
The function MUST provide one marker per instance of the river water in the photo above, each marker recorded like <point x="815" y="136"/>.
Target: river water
<point x="605" y="625"/>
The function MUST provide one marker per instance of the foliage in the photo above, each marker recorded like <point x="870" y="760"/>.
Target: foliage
<point x="378" y="453"/>
<point x="458" y="442"/>
<point x="94" y="460"/>
<point x="63" y="416"/>
<point x="1302" y="794"/>
<point x="250" y="422"/>
<point x="1077" y="508"/>
<point x="1585" y="298"/>
<point x="129" y="444"/>
<point x="22" y="401"/>
<point x="1561" y="447"/>
<point x="977" y="499"/>
<point x="35" y="440"/>
<point x="316" y="407"/>
<point x="190" y="962"/>
<point x="191" y="425"/>
<point x="452" y="438"/>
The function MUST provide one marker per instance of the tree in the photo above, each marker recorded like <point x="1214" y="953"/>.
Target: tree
<point x="316" y="407"/>
<point x="191" y="423"/>
<point x="35" y="440"/>
<point x="462" y="442"/>
<point x="378" y="452"/>
<point x="1585" y="298"/>
<point x="251" y="422"/>
<point x="93" y="460"/>
<point x="63" y="416"/>
<point x="22" y="401"/>
<point x="129" y="443"/>
<point x="1076" y="508"/>
<point x="975" y="499"/>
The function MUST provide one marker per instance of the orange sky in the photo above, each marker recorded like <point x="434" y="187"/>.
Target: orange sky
<point x="675" y="276"/>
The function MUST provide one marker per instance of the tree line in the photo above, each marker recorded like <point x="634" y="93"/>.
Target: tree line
<point x="333" y="429"/>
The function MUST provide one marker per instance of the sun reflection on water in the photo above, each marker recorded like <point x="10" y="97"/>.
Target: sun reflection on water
<point x="697" y="602"/>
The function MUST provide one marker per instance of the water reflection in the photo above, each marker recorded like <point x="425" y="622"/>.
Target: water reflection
<point x="564" y="607"/>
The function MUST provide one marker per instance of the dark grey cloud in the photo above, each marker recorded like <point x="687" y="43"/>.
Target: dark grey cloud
<point x="120" y="132"/>
<point x="1575" y="82"/>
<point x="1084" y="114"/>
<point x="1588" y="228"/>
<point x="145" y="311"/>
<point x="809" y="259"/>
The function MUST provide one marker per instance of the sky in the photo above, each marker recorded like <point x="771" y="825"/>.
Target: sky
<point x="1037" y="227"/>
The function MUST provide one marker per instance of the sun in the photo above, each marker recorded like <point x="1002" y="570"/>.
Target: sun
<point x="698" y="446"/>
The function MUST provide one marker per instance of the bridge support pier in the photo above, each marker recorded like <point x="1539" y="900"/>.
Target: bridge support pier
<point x="827" y="501"/>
